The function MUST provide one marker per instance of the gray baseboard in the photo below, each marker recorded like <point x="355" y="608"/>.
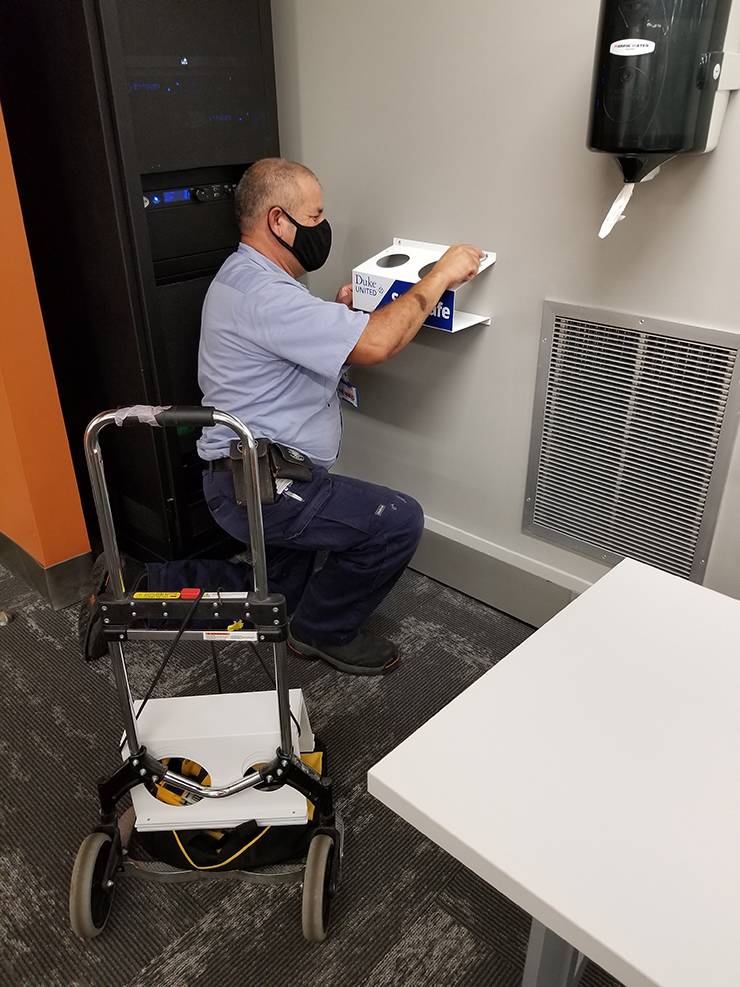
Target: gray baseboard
<point x="516" y="592"/>
<point x="61" y="584"/>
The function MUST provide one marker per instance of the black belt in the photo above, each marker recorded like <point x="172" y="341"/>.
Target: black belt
<point x="217" y="464"/>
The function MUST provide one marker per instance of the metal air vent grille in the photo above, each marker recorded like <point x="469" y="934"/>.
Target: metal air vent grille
<point x="630" y="437"/>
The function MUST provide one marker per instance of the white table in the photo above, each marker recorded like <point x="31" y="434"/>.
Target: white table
<point x="593" y="777"/>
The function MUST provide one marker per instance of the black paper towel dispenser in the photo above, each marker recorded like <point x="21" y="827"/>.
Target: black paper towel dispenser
<point x="661" y="80"/>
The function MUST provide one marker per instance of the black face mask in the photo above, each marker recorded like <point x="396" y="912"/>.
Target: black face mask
<point x="311" y="245"/>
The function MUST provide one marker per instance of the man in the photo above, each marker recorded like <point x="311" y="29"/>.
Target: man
<point x="272" y="354"/>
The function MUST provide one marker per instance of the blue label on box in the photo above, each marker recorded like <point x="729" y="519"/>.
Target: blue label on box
<point x="440" y="316"/>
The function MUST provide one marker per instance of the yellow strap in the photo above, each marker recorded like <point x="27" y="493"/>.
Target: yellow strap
<point x="223" y="863"/>
<point x="178" y="796"/>
<point x="194" y="770"/>
<point x="171" y="798"/>
<point x="315" y="760"/>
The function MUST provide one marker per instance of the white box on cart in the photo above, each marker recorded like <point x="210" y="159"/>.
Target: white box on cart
<point x="387" y="275"/>
<point x="226" y="734"/>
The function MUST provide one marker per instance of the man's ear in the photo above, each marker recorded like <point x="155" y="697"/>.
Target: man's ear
<point x="273" y="215"/>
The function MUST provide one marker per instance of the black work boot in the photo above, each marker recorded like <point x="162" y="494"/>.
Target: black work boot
<point x="90" y="619"/>
<point x="363" y="655"/>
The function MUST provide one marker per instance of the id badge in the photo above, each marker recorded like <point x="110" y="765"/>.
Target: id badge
<point x="348" y="392"/>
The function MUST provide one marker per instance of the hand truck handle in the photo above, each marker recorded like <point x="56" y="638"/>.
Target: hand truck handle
<point x="165" y="416"/>
<point x="162" y="417"/>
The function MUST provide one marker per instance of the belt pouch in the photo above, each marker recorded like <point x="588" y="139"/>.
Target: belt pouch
<point x="289" y="464"/>
<point x="268" y="490"/>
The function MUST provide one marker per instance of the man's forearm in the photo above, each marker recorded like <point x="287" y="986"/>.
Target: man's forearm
<point x="392" y="327"/>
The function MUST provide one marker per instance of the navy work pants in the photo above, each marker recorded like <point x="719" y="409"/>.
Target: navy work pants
<point x="369" y="532"/>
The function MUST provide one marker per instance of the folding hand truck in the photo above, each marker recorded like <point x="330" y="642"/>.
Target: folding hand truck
<point x="258" y="617"/>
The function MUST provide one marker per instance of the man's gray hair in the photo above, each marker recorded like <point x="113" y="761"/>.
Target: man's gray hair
<point x="267" y="183"/>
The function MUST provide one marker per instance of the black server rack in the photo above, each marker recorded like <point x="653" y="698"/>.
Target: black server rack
<point x="130" y="122"/>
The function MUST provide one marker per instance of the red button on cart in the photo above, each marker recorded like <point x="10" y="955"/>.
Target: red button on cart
<point x="189" y="594"/>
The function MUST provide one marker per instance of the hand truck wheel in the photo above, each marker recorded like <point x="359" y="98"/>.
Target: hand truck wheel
<point x="89" y="902"/>
<point x="317" y="891"/>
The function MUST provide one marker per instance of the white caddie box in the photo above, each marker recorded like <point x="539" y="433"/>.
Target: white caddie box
<point x="387" y="275"/>
<point x="227" y="734"/>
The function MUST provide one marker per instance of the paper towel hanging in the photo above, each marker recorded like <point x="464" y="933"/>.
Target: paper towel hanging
<point x="661" y="83"/>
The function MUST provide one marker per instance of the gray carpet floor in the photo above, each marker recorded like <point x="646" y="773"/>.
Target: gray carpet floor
<point x="407" y="913"/>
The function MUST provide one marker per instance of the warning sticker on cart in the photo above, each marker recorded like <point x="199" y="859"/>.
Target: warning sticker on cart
<point x="225" y="596"/>
<point x="230" y="635"/>
<point x="156" y="596"/>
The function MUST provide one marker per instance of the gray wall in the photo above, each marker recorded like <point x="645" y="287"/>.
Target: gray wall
<point x="467" y="122"/>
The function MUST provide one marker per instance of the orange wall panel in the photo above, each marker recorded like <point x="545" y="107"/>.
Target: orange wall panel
<point x="39" y="502"/>
<point x="17" y="519"/>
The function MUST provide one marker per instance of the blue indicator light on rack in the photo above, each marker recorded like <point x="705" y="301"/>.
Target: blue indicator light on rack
<point x="156" y="200"/>
<point x="176" y="195"/>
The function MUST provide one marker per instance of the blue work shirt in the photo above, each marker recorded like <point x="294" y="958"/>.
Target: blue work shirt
<point x="272" y="354"/>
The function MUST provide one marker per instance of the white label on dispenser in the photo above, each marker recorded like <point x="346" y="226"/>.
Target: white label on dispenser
<point x="632" y="46"/>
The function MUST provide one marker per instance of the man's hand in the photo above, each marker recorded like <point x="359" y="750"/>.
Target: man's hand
<point x="344" y="295"/>
<point x="459" y="264"/>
